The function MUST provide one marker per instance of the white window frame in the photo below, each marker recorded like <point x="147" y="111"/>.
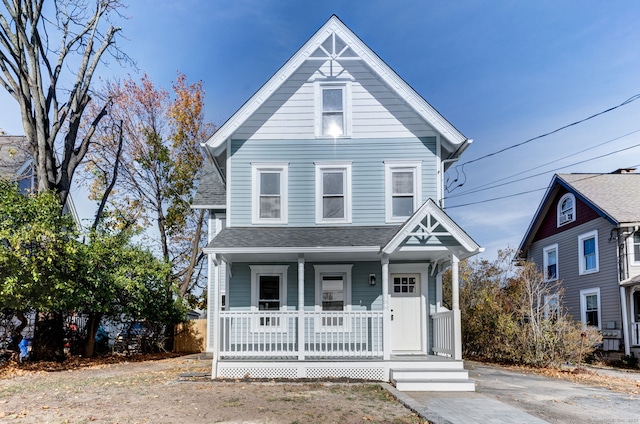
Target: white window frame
<point x="268" y="270"/>
<point x="583" y="305"/>
<point x="389" y="168"/>
<point x="256" y="170"/>
<point x="581" y="260"/>
<point x="545" y="260"/>
<point x="345" y="86"/>
<point x="548" y="299"/>
<point x="345" y="168"/>
<point x="322" y="270"/>
<point x="561" y="218"/>
<point x="633" y="246"/>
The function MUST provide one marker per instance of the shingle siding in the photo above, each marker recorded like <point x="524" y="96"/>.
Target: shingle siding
<point x="568" y="269"/>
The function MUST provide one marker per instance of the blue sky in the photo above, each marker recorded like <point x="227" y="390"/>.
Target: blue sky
<point x="502" y="72"/>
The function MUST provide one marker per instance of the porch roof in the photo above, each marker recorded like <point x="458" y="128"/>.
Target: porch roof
<point x="247" y="239"/>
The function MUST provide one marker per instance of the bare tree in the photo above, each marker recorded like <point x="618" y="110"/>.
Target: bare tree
<point x="48" y="57"/>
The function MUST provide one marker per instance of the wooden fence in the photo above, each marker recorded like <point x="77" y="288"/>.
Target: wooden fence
<point x="191" y="336"/>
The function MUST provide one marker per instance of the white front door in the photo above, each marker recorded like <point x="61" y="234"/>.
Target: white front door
<point x="406" y="327"/>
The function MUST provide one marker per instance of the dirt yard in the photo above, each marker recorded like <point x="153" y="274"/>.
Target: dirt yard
<point x="155" y="392"/>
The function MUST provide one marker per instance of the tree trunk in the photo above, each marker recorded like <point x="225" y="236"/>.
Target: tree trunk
<point x="48" y="337"/>
<point x="92" y="328"/>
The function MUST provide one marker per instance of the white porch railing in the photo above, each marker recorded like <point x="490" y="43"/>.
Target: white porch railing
<point x="443" y="333"/>
<point x="266" y="334"/>
<point x="343" y="334"/>
<point x="635" y="333"/>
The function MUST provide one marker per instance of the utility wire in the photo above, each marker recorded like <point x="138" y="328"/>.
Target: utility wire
<point x="460" y="167"/>
<point x="545" y="172"/>
<point x="473" y="190"/>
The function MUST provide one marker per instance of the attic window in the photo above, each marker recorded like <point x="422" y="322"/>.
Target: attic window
<point x="332" y="110"/>
<point x="566" y="209"/>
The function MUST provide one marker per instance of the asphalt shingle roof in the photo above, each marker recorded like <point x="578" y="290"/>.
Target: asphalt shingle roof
<point x="618" y="195"/>
<point x="296" y="237"/>
<point x="211" y="190"/>
<point x="14" y="152"/>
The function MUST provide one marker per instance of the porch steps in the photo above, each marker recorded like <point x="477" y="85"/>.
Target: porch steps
<point x="448" y="379"/>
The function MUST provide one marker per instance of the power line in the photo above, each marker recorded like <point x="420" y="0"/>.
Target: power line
<point x="473" y="190"/>
<point x="460" y="167"/>
<point x="545" y="172"/>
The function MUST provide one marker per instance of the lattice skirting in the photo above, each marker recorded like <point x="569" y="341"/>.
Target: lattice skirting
<point x="315" y="372"/>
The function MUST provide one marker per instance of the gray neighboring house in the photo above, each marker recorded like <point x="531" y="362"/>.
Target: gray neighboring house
<point x="16" y="164"/>
<point x="586" y="233"/>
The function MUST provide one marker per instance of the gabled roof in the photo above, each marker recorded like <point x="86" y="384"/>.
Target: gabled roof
<point x="430" y="225"/>
<point x="615" y="197"/>
<point x="454" y="142"/>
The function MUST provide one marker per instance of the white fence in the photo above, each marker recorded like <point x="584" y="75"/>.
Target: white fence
<point x="267" y="334"/>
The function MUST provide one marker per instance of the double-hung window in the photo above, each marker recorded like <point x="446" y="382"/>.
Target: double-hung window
<point x="551" y="306"/>
<point x="636" y="246"/>
<point x="590" y="307"/>
<point x="269" y="203"/>
<point x="402" y="189"/>
<point x="550" y="260"/>
<point x="566" y="209"/>
<point x="268" y="294"/>
<point x="333" y="192"/>
<point x="333" y="109"/>
<point x="333" y="293"/>
<point x="588" y="252"/>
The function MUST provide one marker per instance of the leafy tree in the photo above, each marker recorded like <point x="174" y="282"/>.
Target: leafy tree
<point x="44" y="268"/>
<point x="49" y="53"/>
<point x="38" y="258"/>
<point x="148" y="166"/>
<point x="120" y="280"/>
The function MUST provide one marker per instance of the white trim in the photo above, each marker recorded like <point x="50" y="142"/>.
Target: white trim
<point x="566" y="218"/>
<point x="581" y="262"/>
<point x="345" y="168"/>
<point x="256" y="170"/>
<point x="545" y="261"/>
<point x="333" y="270"/>
<point x="453" y="137"/>
<point x="345" y="86"/>
<point x="389" y="168"/>
<point x="547" y="304"/>
<point x="321" y="270"/>
<point x="277" y="270"/>
<point x="632" y="247"/>
<point x="583" y="305"/>
<point x="294" y="249"/>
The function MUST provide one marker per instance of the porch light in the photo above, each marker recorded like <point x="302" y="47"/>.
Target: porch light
<point x="372" y="279"/>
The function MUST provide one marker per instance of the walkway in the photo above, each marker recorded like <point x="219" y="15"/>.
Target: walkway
<point x="504" y="396"/>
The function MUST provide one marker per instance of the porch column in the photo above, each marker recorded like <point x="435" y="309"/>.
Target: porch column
<point x="455" y="304"/>
<point x="214" y="312"/>
<point x="301" y="340"/>
<point x="626" y="334"/>
<point x="386" y="313"/>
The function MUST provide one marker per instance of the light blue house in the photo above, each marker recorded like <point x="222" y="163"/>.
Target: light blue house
<point x="327" y="237"/>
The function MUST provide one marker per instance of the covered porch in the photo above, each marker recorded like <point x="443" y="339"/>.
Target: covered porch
<point x="394" y="268"/>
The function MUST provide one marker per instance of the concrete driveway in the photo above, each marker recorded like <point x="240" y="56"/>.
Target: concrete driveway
<point x="504" y="396"/>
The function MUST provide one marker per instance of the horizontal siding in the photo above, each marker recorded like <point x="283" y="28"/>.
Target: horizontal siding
<point x="363" y="295"/>
<point x="549" y="226"/>
<point x="568" y="266"/>
<point x="367" y="173"/>
<point x="376" y="110"/>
